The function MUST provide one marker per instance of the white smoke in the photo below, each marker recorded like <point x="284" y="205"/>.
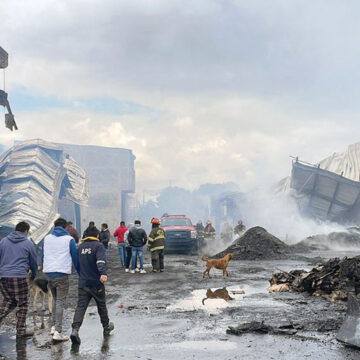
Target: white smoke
<point x="279" y="214"/>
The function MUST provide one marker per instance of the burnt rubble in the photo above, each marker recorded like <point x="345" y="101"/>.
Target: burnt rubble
<point x="258" y="244"/>
<point x="333" y="279"/>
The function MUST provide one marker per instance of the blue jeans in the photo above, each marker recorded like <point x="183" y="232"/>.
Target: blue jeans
<point x="121" y="249"/>
<point x="135" y="252"/>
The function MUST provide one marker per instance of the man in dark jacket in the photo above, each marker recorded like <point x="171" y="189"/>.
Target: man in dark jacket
<point x="17" y="256"/>
<point x="104" y="236"/>
<point x="89" y="228"/>
<point x="92" y="277"/>
<point x="137" y="239"/>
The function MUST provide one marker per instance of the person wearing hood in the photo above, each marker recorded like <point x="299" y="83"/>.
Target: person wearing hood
<point x="59" y="251"/>
<point x="17" y="256"/>
<point x="92" y="277"/>
<point x="137" y="239"/>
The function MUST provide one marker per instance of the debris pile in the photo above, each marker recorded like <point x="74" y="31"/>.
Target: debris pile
<point x="332" y="280"/>
<point x="257" y="244"/>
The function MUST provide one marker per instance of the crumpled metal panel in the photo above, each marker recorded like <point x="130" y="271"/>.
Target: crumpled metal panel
<point x="325" y="195"/>
<point x="33" y="176"/>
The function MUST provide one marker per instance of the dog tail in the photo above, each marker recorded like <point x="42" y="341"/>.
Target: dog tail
<point x="203" y="300"/>
<point x="203" y="258"/>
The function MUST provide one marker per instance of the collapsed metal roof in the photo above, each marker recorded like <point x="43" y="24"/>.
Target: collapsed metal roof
<point x="324" y="194"/>
<point x="34" y="175"/>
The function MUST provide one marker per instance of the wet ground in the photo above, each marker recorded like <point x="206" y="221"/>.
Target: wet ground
<point x="165" y="316"/>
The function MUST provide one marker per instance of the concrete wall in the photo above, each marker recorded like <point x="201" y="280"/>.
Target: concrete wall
<point x="111" y="177"/>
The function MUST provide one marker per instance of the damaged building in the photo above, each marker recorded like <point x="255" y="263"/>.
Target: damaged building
<point x="111" y="175"/>
<point x="40" y="181"/>
<point x="329" y="190"/>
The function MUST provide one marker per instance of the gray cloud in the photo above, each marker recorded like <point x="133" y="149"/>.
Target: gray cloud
<point x="235" y="87"/>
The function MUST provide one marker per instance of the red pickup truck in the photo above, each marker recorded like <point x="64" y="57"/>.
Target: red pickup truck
<point x="180" y="234"/>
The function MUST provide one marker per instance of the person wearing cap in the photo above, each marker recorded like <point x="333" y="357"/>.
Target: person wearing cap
<point x="156" y="245"/>
<point x="92" y="277"/>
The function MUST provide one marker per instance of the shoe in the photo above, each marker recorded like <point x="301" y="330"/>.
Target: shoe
<point x="155" y="271"/>
<point x="142" y="271"/>
<point x="25" y="335"/>
<point x="132" y="271"/>
<point x="127" y="270"/>
<point x="52" y="330"/>
<point x="74" y="337"/>
<point x="161" y="270"/>
<point x="58" y="336"/>
<point x="137" y="270"/>
<point x="108" y="329"/>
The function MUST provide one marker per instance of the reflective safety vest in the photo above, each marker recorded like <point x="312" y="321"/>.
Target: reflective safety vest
<point x="156" y="239"/>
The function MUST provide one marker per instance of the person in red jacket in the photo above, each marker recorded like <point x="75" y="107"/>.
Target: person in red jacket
<point x="119" y="233"/>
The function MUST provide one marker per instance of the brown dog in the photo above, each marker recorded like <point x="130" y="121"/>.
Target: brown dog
<point x="217" y="294"/>
<point x="220" y="264"/>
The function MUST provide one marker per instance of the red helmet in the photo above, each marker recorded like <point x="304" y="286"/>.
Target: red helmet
<point x="155" y="221"/>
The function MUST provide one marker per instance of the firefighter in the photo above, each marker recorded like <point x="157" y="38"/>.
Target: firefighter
<point x="239" y="228"/>
<point x="156" y="245"/>
<point x="199" y="227"/>
<point x="209" y="231"/>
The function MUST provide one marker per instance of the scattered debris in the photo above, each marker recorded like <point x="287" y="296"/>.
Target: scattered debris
<point x="330" y="280"/>
<point x="279" y="288"/>
<point x="261" y="328"/>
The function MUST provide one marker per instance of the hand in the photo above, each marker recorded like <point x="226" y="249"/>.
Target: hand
<point x="103" y="278"/>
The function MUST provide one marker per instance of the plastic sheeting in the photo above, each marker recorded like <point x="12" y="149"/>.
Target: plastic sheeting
<point x="33" y="177"/>
<point x="346" y="163"/>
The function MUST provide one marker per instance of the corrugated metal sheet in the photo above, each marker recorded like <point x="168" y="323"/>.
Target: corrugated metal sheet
<point x="33" y="176"/>
<point x="324" y="194"/>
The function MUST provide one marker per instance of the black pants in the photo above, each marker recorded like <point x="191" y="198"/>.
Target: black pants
<point x="85" y="295"/>
<point x="157" y="259"/>
<point x="128" y="257"/>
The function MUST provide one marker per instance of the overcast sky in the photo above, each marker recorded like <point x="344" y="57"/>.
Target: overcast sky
<point x="201" y="91"/>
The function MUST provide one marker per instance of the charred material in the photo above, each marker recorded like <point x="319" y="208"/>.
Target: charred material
<point x="256" y="244"/>
<point x="260" y="328"/>
<point x="332" y="280"/>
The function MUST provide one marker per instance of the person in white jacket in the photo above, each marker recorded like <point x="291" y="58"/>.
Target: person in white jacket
<point x="59" y="253"/>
